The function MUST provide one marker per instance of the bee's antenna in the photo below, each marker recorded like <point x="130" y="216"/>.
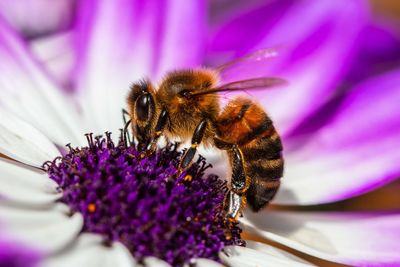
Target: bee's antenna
<point x="127" y="137"/>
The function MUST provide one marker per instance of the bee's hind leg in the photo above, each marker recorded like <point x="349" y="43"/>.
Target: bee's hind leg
<point x="233" y="206"/>
<point x="235" y="198"/>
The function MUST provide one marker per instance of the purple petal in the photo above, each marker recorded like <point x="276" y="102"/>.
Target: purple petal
<point x="357" y="239"/>
<point x="27" y="92"/>
<point x="38" y="17"/>
<point x="249" y="22"/>
<point x="318" y="39"/>
<point x="355" y="152"/>
<point x="15" y="255"/>
<point x="182" y="44"/>
<point x="120" y="42"/>
<point x="378" y="52"/>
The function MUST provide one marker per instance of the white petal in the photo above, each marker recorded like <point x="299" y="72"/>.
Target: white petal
<point x="206" y="263"/>
<point x="273" y="251"/>
<point x="22" y="142"/>
<point x="89" y="251"/>
<point x="155" y="262"/>
<point x="359" y="239"/>
<point x="236" y="256"/>
<point x="21" y="185"/>
<point x="30" y="94"/>
<point x="46" y="230"/>
<point x="218" y="158"/>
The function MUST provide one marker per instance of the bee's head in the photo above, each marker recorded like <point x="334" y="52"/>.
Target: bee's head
<point x="142" y="110"/>
<point x="177" y="88"/>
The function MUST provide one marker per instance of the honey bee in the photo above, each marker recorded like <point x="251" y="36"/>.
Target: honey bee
<point x="187" y="105"/>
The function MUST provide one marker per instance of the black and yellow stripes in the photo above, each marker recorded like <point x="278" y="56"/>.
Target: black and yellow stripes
<point x="267" y="147"/>
<point x="264" y="164"/>
<point x="247" y="126"/>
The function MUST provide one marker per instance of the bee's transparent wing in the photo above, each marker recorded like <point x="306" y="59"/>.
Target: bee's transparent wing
<point x="256" y="64"/>
<point x="259" y="55"/>
<point x="244" y="85"/>
<point x="253" y="84"/>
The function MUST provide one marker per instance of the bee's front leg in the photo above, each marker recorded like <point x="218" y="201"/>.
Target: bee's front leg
<point x="158" y="130"/>
<point x="125" y="133"/>
<point x="198" y="134"/>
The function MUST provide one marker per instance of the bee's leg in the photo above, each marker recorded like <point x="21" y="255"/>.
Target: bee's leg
<point x="126" y="135"/>
<point x="161" y="122"/>
<point x="239" y="182"/>
<point x="234" y="200"/>
<point x="196" y="140"/>
<point x="233" y="205"/>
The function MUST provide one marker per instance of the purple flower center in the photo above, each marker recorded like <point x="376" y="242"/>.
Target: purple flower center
<point x="141" y="203"/>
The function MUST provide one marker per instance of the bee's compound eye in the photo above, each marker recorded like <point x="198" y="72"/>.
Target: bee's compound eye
<point x="143" y="107"/>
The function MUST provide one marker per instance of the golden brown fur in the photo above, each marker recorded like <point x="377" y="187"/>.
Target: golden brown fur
<point x="242" y="123"/>
<point x="185" y="114"/>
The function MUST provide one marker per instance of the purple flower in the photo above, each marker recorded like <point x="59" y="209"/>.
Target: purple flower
<point x="141" y="203"/>
<point x="339" y="116"/>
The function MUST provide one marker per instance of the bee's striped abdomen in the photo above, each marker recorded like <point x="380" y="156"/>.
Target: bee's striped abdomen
<point x="246" y="124"/>
<point x="264" y="165"/>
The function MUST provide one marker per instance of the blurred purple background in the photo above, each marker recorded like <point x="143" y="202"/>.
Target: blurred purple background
<point x="334" y="55"/>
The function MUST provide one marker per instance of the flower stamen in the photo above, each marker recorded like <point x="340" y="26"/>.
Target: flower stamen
<point x="91" y="207"/>
<point x="145" y="202"/>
